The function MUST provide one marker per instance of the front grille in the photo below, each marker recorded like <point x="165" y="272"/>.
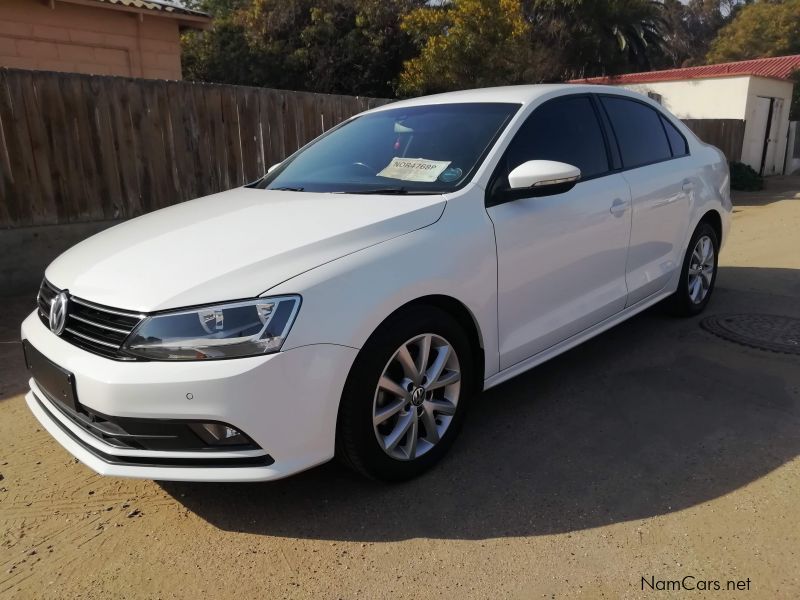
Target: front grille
<point x="95" y="328"/>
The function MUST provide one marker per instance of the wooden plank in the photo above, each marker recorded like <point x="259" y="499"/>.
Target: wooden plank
<point x="218" y="147"/>
<point x="163" y="156"/>
<point x="125" y="148"/>
<point x="182" y="144"/>
<point x="173" y="151"/>
<point x="112" y="198"/>
<point x="232" y="137"/>
<point x="251" y="160"/>
<point x="6" y="176"/>
<point x="277" y="129"/>
<point x="144" y="141"/>
<point x="56" y="126"/>
<point x="90" y="206"/>
<point x="13" y="212"/>
<point x="45" y="211"/>
<point x="289" y="117"/>
<point x="25" y="189"/>
<point x="200" y="134"/>
<point x="67" y="113"/>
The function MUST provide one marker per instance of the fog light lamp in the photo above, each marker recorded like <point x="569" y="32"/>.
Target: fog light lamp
<point x="220" y="434"/>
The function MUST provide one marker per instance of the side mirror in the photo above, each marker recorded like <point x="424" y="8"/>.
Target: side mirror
<point x="273" y="167"/>
<point x="542" y="173"/>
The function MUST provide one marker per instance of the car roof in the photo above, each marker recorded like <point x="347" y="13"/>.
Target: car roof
<point x="515" y="94"/>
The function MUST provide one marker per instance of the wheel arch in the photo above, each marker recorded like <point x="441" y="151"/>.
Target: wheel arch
<point x="713" y="218"/>
<point x="461" y="313"/>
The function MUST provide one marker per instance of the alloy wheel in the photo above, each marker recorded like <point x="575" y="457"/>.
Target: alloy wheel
<point x="701" y="269"/>
<point x="416" y="396"/>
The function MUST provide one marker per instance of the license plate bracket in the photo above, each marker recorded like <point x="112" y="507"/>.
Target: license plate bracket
<point x="57" y="383"/>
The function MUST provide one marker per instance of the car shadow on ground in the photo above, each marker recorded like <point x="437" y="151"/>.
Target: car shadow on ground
<point x="653" y="416"/>
<point x="13" y="376"/>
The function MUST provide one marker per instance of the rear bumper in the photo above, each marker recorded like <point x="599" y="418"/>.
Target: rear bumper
<point x="285" y="402"/>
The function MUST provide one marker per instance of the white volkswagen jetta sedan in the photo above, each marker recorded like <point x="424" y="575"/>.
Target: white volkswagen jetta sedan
<point x="357" y="298"/>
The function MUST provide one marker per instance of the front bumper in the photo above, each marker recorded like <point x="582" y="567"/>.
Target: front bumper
<point x="285" y="402"/>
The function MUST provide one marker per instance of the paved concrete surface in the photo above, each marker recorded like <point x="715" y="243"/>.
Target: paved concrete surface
<point x="654" y="451"/>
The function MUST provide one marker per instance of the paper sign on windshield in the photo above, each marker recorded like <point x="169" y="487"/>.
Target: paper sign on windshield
<point x="414" y="169"/>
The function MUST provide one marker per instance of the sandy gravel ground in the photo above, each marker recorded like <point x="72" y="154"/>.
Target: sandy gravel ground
<point x="655" y="450"/>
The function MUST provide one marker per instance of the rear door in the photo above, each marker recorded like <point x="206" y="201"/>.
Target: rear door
<point x="656" y="165"/>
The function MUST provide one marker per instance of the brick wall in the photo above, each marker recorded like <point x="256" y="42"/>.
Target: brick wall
<point x="87" y="39"/>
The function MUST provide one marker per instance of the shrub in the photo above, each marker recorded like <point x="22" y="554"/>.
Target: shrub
<point x="745" y="178"/>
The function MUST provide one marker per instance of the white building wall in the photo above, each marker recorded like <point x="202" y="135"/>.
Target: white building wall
<point x="716" y="98"/>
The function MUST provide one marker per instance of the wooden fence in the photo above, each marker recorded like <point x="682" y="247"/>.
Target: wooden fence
<point x="725" y="134"/>
<point x="77" y="148"/>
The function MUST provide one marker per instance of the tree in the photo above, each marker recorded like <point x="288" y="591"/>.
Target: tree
<point x="759" y="29"/>
<point x="467" y="43"/>
<point x="335" y="46"/>
<point x="222" y="55"/>
<point x="584" y="37"/>
<point x="691" y="27"/>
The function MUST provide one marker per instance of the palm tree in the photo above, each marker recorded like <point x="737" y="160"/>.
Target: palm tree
<point x="591" y="37"/>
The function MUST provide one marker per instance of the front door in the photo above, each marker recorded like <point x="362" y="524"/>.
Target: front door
<point x="561" y="258"/>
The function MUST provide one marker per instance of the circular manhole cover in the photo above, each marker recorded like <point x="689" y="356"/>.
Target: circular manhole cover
<point x="767" y="332"/>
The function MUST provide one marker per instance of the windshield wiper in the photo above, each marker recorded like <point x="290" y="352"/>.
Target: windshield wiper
<point x="386" y="190"/>
<point x="287" y="189"/>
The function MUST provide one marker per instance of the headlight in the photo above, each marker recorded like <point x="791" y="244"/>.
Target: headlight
<point x="247" y="328"/>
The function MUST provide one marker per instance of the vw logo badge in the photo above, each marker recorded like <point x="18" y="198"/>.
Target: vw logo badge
<point x="58" y="313"/>
<point x="418" y="396"/>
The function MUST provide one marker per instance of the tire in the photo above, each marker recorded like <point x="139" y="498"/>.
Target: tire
<point x="687" y="301"/>
<point x="367" y="447"/>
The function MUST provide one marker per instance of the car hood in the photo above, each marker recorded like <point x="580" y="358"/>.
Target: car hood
<point x="231" y="245"/>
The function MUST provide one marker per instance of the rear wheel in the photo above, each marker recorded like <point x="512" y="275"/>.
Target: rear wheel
<point x="406" y="395"/>
<point x="698" y="274"/>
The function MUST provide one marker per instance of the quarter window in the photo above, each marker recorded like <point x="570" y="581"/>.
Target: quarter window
<point x="565" y="130"/>
<point x="676" y="140"/>
<point x="641" y="137"/>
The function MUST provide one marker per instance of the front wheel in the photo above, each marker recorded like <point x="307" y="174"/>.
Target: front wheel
<point x="698" y="274"/>
<point x="406" y="395"/>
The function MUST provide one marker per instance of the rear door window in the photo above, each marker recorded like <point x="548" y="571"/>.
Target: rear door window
<point x="640" y="134"/>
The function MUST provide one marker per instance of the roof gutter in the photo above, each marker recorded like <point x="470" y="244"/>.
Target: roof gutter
<point x="191" y="21"/>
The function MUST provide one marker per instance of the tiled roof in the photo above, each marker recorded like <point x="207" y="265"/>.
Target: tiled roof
<point x="167" y="6"/>
<point x="779" y="67"/>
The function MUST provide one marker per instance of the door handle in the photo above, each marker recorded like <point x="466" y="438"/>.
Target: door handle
<point x="688" y="186"/>
<point x="618" y="207"/>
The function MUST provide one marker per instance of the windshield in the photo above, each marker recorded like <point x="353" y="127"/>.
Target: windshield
<point x="419" y="149"/>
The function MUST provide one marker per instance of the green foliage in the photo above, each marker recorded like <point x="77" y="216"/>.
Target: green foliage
<point x="745" y="178"/>
<point x="582" y="38"/>
<point x="759" y="29"/>
<point x="467" y="43"/>
<point x="407" y="47"/>
<point x="223" y="55"/>
<point x="333" y="46"/>
<point x="691" y="27"/>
